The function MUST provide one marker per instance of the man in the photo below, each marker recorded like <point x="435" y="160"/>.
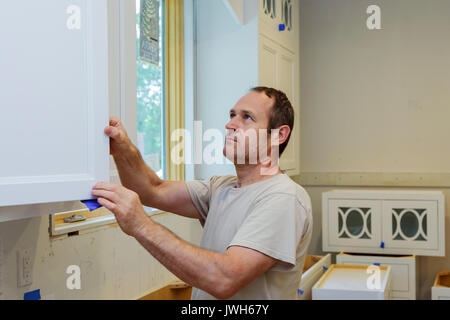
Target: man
<point x="257" y="226"/>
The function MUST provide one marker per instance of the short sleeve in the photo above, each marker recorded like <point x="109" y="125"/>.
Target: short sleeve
<point x="274" y="227"/>
<point x="200" y="192"/>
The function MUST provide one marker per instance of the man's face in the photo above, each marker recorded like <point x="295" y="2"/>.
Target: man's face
<point x="248" y="118"/>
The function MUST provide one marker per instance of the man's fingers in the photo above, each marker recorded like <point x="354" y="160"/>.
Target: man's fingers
<point x="112" y="132"/>
<point x="113" y="121"/>
<point x="109" y="195"/>
<point x="112" y="187"/>
<point x="105" y="186"/>
<point x="108" y="205"/>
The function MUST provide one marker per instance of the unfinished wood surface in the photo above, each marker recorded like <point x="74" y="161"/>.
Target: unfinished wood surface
<point x="350" y="272"/>
<point x="443" y="279"/>
<point x="310" y="261"/>
<point x="177" y="290"/>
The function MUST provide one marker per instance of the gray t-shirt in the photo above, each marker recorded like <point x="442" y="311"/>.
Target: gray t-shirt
<point x="272" y="216"/>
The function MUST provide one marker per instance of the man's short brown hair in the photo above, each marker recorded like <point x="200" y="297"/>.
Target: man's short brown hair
<point x="282" y="112"/>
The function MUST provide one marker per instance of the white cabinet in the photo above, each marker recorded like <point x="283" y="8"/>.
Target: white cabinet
<point x="279" y="64"/>
<point x="279" y="68"/>
<point x="403" y="269"/>
<point x="276" y="14"/>
<point x="384" y="222"/>
<point x="54" y="100"/>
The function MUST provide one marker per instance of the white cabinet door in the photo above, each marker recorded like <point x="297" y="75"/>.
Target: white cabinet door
<point x="54" y="100"/>
<point x="278" y="68"/>
<point x="354" y="223"/>
<point x="272" y="14"/>
<point x="410" y="224"/>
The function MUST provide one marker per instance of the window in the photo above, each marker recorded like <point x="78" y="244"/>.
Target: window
<point x="150" y="83"/>
<point x="152" y="106"/>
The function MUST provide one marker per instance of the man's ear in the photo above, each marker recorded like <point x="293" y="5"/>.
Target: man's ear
<point x="283" y="133"/>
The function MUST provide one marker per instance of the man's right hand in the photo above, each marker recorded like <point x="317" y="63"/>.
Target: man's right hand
<point x="119" y="141"/>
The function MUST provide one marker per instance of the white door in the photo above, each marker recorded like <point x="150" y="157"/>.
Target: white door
<point x="278" y="68"/>
<point x="279" y="20"/>
<point x="410" y="225"/>
<point x="287" y="82"/>
<point x="54" y="100"/>
<point x="354" y="224"/>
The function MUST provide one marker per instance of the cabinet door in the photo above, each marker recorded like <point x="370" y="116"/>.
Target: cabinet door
<point x="411" y="225"/>
<point x="278" y="68"/>
<point x="54" y="100"/>
<point x="272" y="14"/>
<point x="353" y="224"/>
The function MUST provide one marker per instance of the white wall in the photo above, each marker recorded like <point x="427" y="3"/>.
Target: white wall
<point x="376" y="101"/>
<point x="227" y="67"/>
<point x="113" y="265"/>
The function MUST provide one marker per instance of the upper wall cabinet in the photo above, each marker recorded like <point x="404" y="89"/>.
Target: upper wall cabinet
<point x="390" y="222"/>
<point x="279" y="20"/>
<point x="54" y="100"/>
<point x="279" y="64"/>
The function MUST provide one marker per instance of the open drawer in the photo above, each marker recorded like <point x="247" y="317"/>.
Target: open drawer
<point x="315" y="267"/>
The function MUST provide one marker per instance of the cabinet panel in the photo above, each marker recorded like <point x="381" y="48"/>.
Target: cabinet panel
<point x="278" y="68"/>
<point x="272" y="14"/>
<point x="354" y="223"/>
<point x="54" y="98"/>
<point x="268" y="63"/>
<point x="410" y="224"/>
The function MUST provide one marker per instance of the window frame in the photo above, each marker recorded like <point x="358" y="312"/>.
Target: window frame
<point x="123" y="86"/>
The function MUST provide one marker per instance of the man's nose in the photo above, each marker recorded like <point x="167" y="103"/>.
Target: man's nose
<point x="232" y="125"/>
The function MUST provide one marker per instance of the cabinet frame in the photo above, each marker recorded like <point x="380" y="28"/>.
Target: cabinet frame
<point x="433" y="248"/>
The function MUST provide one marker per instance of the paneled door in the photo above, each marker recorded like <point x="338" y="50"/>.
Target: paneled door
<point x="411" y="224"/>
<point x="278" y="68"/>
<point x="354" y="223"/>
<point x="53" y="100"/>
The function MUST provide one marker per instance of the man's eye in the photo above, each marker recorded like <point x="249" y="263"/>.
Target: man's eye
<point x="232" y="115"/>
<point x="248" y="117"/>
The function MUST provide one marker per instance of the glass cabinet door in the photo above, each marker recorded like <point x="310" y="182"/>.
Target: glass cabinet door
<point x="355" y="223"/>
<point x="410" y="224"/>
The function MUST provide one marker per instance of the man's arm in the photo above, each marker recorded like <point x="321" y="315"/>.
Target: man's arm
<point x="221" y="275"/>
<point x="171" y="196"/>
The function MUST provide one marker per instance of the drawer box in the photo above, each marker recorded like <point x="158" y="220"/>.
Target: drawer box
<point x="347" y="282"/>
<point x="441" y="287"/>
<point x="312" y="271"/>
<point x="403" y="271"/>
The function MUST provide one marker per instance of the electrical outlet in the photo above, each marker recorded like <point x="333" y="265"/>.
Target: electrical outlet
<point x="24" y="267"/>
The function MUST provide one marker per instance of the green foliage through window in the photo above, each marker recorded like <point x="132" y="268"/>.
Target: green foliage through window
<point x="150" y="93"/>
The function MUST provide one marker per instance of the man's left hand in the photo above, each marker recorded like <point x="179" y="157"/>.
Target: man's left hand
<point x="124" y="203"/>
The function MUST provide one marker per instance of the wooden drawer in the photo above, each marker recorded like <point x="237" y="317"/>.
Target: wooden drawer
<point x="315" y="267"/>
<point x="403" y="271"/>
<point x="347" y="282"/>
<point x="441" y="287"/>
